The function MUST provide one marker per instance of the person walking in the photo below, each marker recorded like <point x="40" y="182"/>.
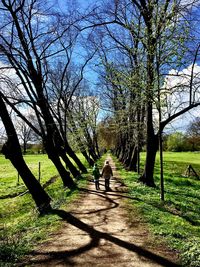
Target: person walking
<point x="106" y="174"/>
<point x="96" y="175"/>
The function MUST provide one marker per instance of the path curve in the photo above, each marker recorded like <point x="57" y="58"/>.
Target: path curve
<point x="97" y="232"/>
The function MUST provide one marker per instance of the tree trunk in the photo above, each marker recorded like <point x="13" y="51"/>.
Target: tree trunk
<point x="151" y="139"/>
<point x="71" y="153"/>
<point x="89" y="160"/>
<point x="134" y="158"/>
<point x="123" y="148"/>
<point x="152" y="147"/>
<point x="54" y="157"/>
<point x="96" y="145"/>
<point x="69" y="164"/>
<point x="38" y="194"/>
<point x="24" y="147"/>
<point x="92" y="154"/>
<point x="12" y="151"/>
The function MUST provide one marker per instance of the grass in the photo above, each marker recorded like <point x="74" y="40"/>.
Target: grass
<point x="21" y="226"/>
<point x="177" y="219"/>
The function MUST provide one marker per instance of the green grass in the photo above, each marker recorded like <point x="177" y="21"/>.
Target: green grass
<point x="177" y="220"/>
<point x="9" y="177"/>
<point x="21" y="226"/>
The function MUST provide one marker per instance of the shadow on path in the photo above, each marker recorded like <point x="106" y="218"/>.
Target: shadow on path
<point x="95" y="236"/>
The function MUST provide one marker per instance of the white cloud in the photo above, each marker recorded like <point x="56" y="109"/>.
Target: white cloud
<point x="176" y="94"/>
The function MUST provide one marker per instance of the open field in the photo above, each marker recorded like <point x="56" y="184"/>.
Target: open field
<point x="20" y="227"/>
<point x="9" y="183"/>
<point x="177" y="220"/>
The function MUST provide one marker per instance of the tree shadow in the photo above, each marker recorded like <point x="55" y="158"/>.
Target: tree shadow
<point x="112" y="203"/>
<point x="95" y="237"/>
<point x="110" y="192"/>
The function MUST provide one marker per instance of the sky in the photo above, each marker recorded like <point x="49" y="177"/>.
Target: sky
<point x="182" y="122"/>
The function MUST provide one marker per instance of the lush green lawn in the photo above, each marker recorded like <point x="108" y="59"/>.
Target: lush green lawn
<point x="177" y="220"/>
<point x="21" y="227"/>
<point x="9" y="176"/>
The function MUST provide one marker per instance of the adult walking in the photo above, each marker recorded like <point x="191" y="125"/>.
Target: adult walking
<point x="106" y="174"/>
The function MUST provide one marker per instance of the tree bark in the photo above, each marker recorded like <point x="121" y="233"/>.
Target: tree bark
<point x="152" y="147"/>
<point x="54" y="157"/>
<point x="71" y="153"/>
<point x="89" y="160"/>
<point x="69" y="164"/>
<point x="134" y="159"/>
<point x="12" y="151"/>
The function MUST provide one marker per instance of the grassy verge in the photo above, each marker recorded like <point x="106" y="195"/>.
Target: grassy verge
<point x="177" y="220"/>
<point x="21" y="228"/>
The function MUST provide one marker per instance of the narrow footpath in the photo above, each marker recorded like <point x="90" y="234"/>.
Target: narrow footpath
<point x="97" y="232"/>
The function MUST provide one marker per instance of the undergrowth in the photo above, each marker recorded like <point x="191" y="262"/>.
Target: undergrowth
<point x="176" y="220"/>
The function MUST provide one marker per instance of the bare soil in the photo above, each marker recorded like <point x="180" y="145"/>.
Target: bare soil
<point x="97" y="231"/>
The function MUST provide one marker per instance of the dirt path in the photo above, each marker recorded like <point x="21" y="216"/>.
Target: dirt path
<point x="97" y="233"/>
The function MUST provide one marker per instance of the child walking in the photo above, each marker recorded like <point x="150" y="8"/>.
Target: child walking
<point x="96" y="175"/>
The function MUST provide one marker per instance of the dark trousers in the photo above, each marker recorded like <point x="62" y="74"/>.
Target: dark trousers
<point x="107" y="183"/>
<point x="97" y="184"/>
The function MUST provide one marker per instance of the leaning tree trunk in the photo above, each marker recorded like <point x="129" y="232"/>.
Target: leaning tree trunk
<point x="89" y="160"/>
<point x="54" y="157"/>
<point x="12" y="151"/>
<point x="134" y="159"/>
<point x="96" y="144"/>
<point x="71" y="153"/>
<point x="69" y="164"/>
<point x="38" y="194"/>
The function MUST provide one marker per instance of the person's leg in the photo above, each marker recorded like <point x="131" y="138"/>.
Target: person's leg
<point x="109" y="183"/>
<point x="106" y="184"/>
<point x="98" y="185"/>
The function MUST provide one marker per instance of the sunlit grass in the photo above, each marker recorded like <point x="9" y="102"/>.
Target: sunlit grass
<point x="177" y="219"/>
<point x="21" y="228"/>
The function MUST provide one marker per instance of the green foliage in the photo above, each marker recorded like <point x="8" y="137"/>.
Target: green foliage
<point x="177" y="142"/>
<point x="177" y="219"/>
<point x="191" y="254"/>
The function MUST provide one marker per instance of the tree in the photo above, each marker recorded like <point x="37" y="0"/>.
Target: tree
<point x="193" y="134"/>
<point x="82" y="115"/>
<point x="31" y="51"/>
<point x="176" y="142"/>
<point x="25" y="133"/>
<point x="163" y="37"/>
<point x="12" y="151"/>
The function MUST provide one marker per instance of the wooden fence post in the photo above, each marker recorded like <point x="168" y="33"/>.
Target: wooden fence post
<point x="39" y="171"/>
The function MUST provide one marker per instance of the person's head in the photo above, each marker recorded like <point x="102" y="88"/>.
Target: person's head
<point x="107" y="162"/>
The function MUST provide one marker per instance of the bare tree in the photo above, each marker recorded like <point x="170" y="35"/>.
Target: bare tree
<point x="24" y="132"/>
<point x="39" y="37"/>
